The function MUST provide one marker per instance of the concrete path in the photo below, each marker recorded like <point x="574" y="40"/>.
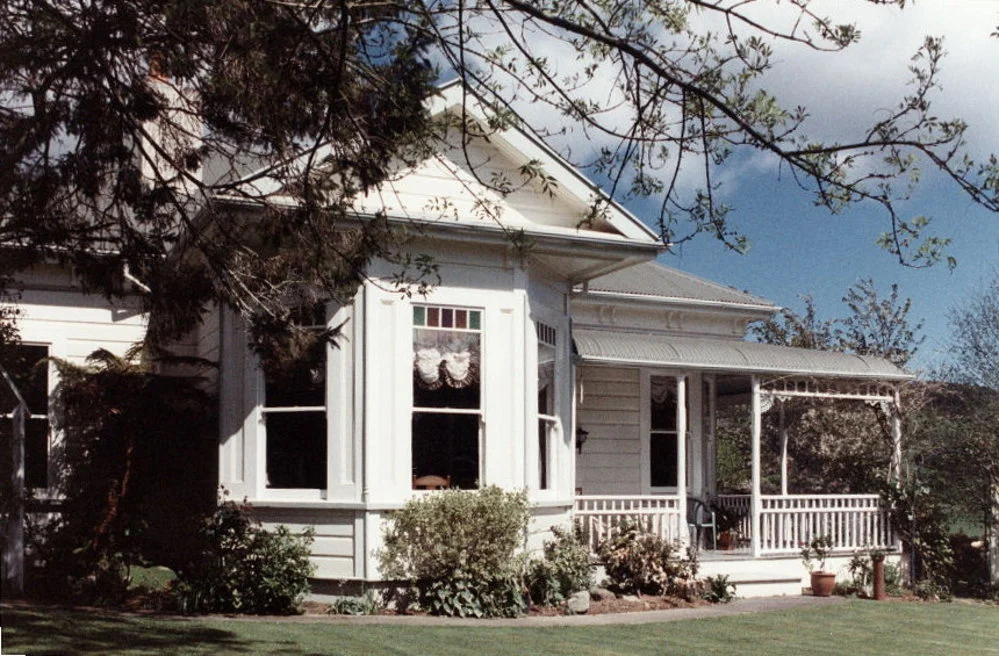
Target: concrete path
<point x="738" y="607"/>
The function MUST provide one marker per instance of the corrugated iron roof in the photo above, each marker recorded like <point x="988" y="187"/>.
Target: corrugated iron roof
<point x="606" y="346"/>
<point x="660" y="281"/>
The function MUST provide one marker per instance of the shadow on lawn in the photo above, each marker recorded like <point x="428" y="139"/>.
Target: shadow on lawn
<point x="52" y="630"/>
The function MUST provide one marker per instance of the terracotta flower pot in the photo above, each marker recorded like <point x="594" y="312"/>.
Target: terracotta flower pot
<point x="726" y="540"/>
<point x="823" y="583"/>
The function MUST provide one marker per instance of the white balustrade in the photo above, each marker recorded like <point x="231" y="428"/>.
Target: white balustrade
<point x="598" y="516"/>
<point x="787" y="522"/>
<point x="852" y="521"/>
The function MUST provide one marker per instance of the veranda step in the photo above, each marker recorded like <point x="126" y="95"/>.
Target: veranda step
<point x="764" y="584"/>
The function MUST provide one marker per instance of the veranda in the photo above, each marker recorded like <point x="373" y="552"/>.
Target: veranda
<point x="675" y="479"/>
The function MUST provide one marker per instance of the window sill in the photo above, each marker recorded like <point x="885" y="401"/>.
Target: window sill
<point x="317" y="504"/>
<point x="552" y="503"/>
<point x="314" y="504"/>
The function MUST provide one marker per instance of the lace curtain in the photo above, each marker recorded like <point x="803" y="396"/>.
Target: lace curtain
<point x="661" y="389"/>
<point x="445" y="359"/>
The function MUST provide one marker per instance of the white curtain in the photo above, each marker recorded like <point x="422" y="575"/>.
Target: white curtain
<point x="445" y="358"/>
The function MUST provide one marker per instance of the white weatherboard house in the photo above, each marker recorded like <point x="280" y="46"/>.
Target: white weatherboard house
<point x="500" y="373"/>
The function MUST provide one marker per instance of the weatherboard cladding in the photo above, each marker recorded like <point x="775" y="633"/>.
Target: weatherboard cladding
<point x="726" y="355"/>
<point x="656" y="280"/>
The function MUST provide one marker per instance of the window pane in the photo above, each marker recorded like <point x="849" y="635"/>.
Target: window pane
<point x="433" y="317"/>
<point x="296" y="450"/>
<point x="546" y="379"/>
<point x="298" y="383"/>
<point x="662" y="406"/>
<point x="447" y="318"/>
<point x="447" y="445"/>
<point x="544" y="431"/>
<point x="474" y="320"/>
<point x="36" y="451"/>
<point x="25" y="365"/>
<point x="419" y="316"/>
<point x="662" y="457"/>
<point x="311" y="316"/>
<point x="460" y="319"/>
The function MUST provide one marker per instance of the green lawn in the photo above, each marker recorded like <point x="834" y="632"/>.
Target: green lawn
<point x="853" y="628"/>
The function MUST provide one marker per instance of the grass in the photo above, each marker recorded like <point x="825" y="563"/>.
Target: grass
<point x="857" y="628"/>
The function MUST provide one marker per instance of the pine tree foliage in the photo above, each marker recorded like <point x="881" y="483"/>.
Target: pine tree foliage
<point x="216" y="148"/>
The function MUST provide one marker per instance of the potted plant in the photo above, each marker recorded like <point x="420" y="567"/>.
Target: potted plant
<point x="727" y="522"/>
<point x="814" y="557"/>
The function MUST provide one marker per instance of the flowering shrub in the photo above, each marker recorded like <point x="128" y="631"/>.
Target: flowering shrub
<point x="639" y="561"/>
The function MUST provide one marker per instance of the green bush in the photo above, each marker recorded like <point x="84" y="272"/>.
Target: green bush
<point x="459" y="549"/>
<point x="638" y="561"/>
<point x="564" y="569"/>
<point x="921" y="522"/>
<point x="367" y="604"/>
<point x="718" y="589"/>
<point x="243" y="568"/>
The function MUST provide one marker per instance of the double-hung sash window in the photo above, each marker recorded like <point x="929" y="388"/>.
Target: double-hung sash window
<point x="447" y="395"/>
<point x="28" y="366"/>
<point x="662" y="432"/>
<point x="294" y="415"/>
<point x="548" y="423"/>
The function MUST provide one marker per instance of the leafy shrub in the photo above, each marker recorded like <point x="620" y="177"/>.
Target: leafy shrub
<point x="564" y="569"/>
<point x="458" y="548"/>
<point x="638" y="560"/>
<point x="921" y="522"/>
<point x="718" y="589"/>
<point x="243" y="568"/>
<point x="367" y="604"/>
<point x="930" y="590"/>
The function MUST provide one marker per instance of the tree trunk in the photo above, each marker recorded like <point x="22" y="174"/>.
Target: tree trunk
<point x="992" y="536"/>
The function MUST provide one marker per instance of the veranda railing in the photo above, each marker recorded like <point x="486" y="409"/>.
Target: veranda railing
<point x="787" y="522"/>
<point x="599" y="515"/>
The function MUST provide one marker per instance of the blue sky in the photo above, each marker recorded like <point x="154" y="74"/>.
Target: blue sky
<point x="798" y="249"/>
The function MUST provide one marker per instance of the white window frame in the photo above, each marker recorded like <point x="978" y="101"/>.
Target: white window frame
<point x="645" y="425"/>
<point x="261" y="411"/>
<point x="553" y="421"/>
<point x="483" y="370"/>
